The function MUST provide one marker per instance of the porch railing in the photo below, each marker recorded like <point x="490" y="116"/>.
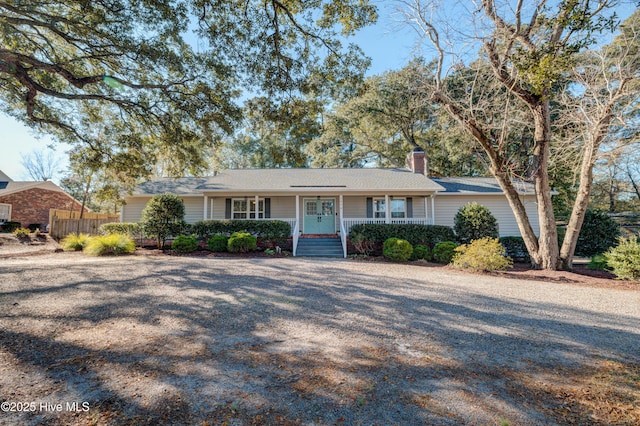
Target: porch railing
<point x="349" y="222"/>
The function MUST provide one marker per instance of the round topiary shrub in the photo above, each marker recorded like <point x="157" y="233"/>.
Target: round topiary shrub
<point x="421" y="252"/>
<point x="218" y="243"/>
<point x="443" y="252"/>
<point x="397" y="250"/>
<point x="598" y="234"/>
<point x="184" y="244"/>
<point x="241" y="242"/>
<point x="474" y="221"/>
<point x="163" y="217"/>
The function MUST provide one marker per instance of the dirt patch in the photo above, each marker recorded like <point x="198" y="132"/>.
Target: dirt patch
<point x="31" y="245"/>
<point x="156" y="339"/>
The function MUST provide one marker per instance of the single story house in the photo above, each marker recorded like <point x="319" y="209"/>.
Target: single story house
<point x="328" y="202"/>
<point x="29" y="202"/>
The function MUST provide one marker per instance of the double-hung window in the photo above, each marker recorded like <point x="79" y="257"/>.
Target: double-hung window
<point x="398" y="207"/>
<point x="245" y="208"/>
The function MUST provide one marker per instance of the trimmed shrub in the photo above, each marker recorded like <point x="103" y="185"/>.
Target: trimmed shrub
<point x="132" y="229"/>
<point x="515" y="248"/>
<point x="184" y="244"/>
<point x="474" y="221"/>
<point x="484" y="254"/>
<point x="241" y="242"/>
<point x="428" y="235"/>
<point x="397" y="249"/>
<point x="33" y="226"/>
<point x="421" y="252"/>
<point x="112" y="244"/>
<point x="598" y="233"/>
<point x="624" y="259"/>
<point x="443" y="252"/>
<point x="218" y="243"/>
<point x="74" y="242"/>
<point x="11" y="226"/>
<point x="163" y="217"/>
<point x="265" y="229"/>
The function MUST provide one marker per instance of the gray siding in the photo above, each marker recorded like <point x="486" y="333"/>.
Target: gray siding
<point x="448" y="206"/>
<point x="193" y="209"/>
<point x="132" y="211"/>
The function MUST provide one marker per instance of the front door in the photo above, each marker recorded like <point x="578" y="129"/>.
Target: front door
<point x="319" y="216"/>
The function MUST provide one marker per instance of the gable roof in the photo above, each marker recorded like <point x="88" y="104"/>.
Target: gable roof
<point x="479" y="186"/>
<point x="13" y="187"/>
<point x="4" y="178"/>
<point x="294" y="181"/>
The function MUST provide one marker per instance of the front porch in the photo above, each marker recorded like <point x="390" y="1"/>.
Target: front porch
<point x="323" y="216"/>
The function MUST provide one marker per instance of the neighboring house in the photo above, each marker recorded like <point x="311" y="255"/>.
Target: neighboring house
<point x="328" y="202"/>
<point x="29" y="202"/>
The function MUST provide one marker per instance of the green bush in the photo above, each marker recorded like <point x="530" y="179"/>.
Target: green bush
<point x="397" y="249"/>
<point x="474" y="221"/>
<point x="74" y="242"/>
<point x="421" y="252"/>
<point x="134" y="230"/>
<point x="163" y="217"/>
<point x="184" y="244"/>
<point x="265" y="229"/>
<point x="598" y="233"/>
<point x="112" y="244"/>
<point x="11" y="226"/>
<point x="362" y="245"/>
<point x="428" y="235"/>
<point x="624" y="259"/>
<point x="598" y="263"/>
<point x="484" y="254"/>
<point x="21" y="232"/>
<point x="443" y="252"/>
<point x="218" y="243"/>
<point x="241" y="242"/>
<point x="515" y="248"/>
<point x="33" y="226"/>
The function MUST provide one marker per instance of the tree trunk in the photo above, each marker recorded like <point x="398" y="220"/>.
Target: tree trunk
<point x="579" y="207"/>
<point x="548" y="252"/>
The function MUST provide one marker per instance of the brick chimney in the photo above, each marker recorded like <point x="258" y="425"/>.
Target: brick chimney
<point x="417" y="162"/>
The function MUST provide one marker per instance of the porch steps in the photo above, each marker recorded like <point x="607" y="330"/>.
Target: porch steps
<point x="320" y="247"/>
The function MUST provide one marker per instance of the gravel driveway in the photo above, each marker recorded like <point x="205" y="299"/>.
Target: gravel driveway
<point x="188" y="340"/>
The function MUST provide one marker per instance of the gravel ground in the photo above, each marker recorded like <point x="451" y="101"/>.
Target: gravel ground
<point x="197" y="340"/>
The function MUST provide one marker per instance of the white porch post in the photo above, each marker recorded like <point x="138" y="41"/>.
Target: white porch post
<point x="433" y="209"/>
<point x="426" y="210"/>
<point x="297" y="211"/>
<point x="387" y="209"/>
<point x="206" y="208"/>
<point x="341" y="210"/>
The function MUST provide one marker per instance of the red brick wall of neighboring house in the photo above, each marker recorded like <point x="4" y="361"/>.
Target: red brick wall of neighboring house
<point x="32" y="205"/>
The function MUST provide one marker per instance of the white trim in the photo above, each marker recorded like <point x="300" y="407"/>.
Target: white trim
<point x="257" y="212"/>
<point x="8" y="218"/>
<point x="205" y="210"/>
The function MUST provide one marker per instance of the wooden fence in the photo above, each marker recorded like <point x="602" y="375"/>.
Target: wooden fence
<point x="64" y="222"/>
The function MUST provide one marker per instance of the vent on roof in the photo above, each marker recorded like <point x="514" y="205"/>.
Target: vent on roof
<point x="317" y="186"/>
<point x="3" y="185"/>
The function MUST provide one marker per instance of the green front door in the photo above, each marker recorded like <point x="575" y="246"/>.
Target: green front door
<point x="319" y="216"/>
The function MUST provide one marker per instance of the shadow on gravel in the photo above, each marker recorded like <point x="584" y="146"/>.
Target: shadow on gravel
<point x="202" y="341"/>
